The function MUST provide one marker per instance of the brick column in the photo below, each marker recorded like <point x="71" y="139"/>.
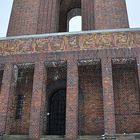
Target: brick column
<point x="36" y="103"/>
<point x="88" y="22"/>
<point x="48" y="21"/>
<point x="72" y="101"/>
<point x="108" y="97"/>
<point x="138" y="69"/>
<point x="4" y="96"/>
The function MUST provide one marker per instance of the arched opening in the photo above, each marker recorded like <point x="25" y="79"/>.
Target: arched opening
<point x="57" y="112"/>
<point x="75" y="24"/>
<point x="69" y="10"/>
<point x="55" y="101"/>
<point x="74" y="20"/>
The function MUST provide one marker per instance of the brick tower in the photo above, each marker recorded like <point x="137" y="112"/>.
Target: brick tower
<point x="44" y="16"/>
<point x="70" y="86"/>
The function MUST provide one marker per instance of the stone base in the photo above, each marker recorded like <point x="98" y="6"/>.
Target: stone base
<point x="52" y="137"/>
<point x="106" y="137"/>
<point x="15" y="137"/>
<point x="126" y="138"/>
<point x="122" y="137"/>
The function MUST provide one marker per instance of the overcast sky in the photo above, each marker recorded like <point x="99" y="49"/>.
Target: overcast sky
<point x="133" y="8"/>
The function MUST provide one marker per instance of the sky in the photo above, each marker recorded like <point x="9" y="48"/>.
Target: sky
<point x="133" y="8"/>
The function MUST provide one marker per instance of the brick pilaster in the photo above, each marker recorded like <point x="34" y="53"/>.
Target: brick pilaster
<point x="108" y="97"/>
<point x="138" y="69"/>
<point x="36" y="103"/>
<point x="72" y="101"/>
<point x="4" y="97"/>
<point x="48" y="20"/>
<point x="88" y="21"/>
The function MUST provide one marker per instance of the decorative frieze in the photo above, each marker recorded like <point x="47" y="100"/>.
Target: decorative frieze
<point x="70" y="42"/>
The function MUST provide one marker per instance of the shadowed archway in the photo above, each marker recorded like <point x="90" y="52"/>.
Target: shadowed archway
<point x="56" y="108"/>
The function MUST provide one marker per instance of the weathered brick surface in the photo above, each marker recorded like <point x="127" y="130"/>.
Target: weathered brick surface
<point x="77" y="47"/>
<point x="36" y="102"/>
<point x="108" y="96"/>
<point x="127" y="101"/>
<point x="24" y="17"/>
<point x="23" y="87"/>
<point x="72" y="100"/>
<point x="110" y="14"/>
<point x="90" y="99"/>
<point x="5" y="97"/>
<point x="48" y="16"/>
<point x="1" y="77"/>
<point x="88" y="14"/>
<point x="91" y="116"/>
<point x="45" y="16"/>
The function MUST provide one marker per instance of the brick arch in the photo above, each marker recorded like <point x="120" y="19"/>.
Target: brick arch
<point x="54" y="86"/>
<point x="66" y="11"/>
<point x="50" y="90"/>
<point x="72" y="13"/>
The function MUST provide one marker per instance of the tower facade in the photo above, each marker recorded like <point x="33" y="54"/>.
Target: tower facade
<point x="44" y="16"/>
<point x="70" y="86"/>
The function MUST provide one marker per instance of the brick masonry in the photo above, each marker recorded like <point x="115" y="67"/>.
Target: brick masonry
<point x="88" y="86"/>
<point x="44" y="16"/>
<point x="85" y="41"/>
<point x="127" y="101"/>
<point x="91" y="118"/>
<point x="110" y="14"/>
<point x="72" y="100"/>
<point x="4" y="97"/>
<point x="24" y="17"/>
<point x="23" y="87"/>
<point x="36" y="102"/>
<point x="100" y="98"/>
<point x="108" y="97"/>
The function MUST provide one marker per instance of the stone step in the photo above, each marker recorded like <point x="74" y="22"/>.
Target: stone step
<point x="55" y="137"/>
<point x="90" y="138"/>
<point x="52" y="137"/>
<point x="15" y="137"/>
<point x="79" y="138"/>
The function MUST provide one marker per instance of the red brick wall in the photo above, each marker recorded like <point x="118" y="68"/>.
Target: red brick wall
<point x="104" y="14"/>
<point x="44" y="16"/>
<point x="23" y="87"/>
<point x="24" y="17"/>
<point x="90" y="101"/>
<point x="110" y="14"/>
<point x="1" y="76"/>
<point x="127" y="99"/>
<point x="48" y="19"/>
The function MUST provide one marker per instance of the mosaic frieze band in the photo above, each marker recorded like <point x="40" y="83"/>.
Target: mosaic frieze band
<point x="70" y="42"/>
